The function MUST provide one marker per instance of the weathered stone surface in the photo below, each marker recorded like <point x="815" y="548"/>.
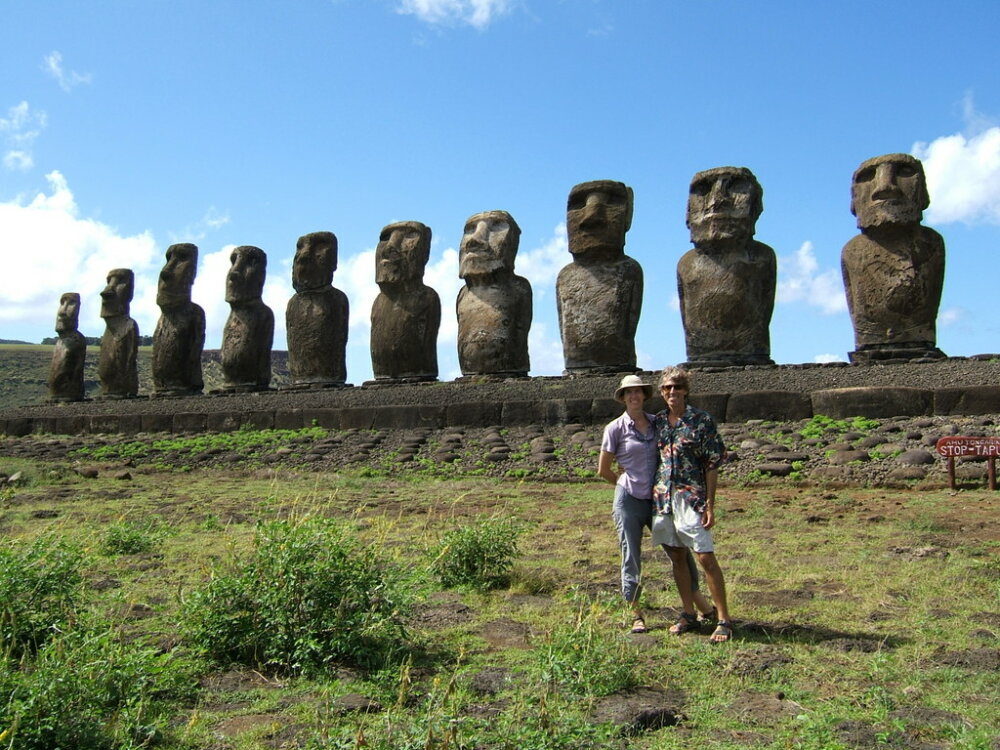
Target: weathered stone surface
<point x="599" y="294"/>
<point x="494" y="306"/>
<point x="117" y="365"/>
<point x="406" y="315"/>
<point x="894" y="270"/>
<point x="874" y="402"/>
<point x="976" y="399"/>
<point x="726" y="283"/>
<point x="69" y="352"/>
<point x="179" y="337"/>
<point x="316" y="317"/>
<point x="784" y="405"/>
<point x="249" y="330"/>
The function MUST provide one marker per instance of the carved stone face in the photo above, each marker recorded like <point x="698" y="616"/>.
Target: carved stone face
<point x="598" y="214"/>
<point x="117" y="295"/>
<point x="68" y="317"/>
<point x="402" y="252"/>
<point x="723" y="205"/>
<point x="315" y="261"/>
<point x="245" y="281"/>
<point x="488" y="245"/>
<point x="889" y="189"/>
<point x="177" y="275"/>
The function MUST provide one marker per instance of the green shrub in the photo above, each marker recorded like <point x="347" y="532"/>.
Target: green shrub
<point x="479" y="556"/>
<point x="306" y="596"/>
<point x="85" y="689"/>
<point x="127" y="538"/>
<point x="585" y="659"/>
<point x="40" y="584"/>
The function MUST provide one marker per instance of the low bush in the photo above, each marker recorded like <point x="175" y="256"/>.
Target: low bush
<point x="128" y="538"/>
<point x="586" y="660"/>
<point x="479" y="556"/>
<point x="40" y="586"/>
<point x="306" y="596"/>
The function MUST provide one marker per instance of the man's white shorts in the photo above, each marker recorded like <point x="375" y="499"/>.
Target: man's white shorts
<point x="682" y="528"/>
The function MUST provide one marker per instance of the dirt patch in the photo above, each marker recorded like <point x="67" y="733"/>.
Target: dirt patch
<point x="641" y="709"/>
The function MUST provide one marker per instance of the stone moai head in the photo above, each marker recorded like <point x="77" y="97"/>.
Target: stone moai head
<point x="315" y="261"/>
<point x="402" y="252"/>
<point x="598" y="214"/>
<point x="889" y="190"/>
<point x="177" y="275"/>
<point x="723" y="206"/>
<point x="248" y="269"/>
<point x="117" y="295"/>
<point x="489" y="245"/>
<point x="68" y="316"/>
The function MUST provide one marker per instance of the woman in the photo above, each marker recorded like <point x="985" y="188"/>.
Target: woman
<point x="631" y="442"/>
<point x="690" y="453"/>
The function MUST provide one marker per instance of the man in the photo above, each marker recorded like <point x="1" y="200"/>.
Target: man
<point x="317" y="316"/>
<point x="406" y="315"/>
<point x="599" y="294"/>
<point x="726" y="283"/>
<point x="684" y="495"/>
<point x="894" y="270"/>
<point x="180" y="332"/>
<point x="117" y="364"/>
<point x="494" y="307"/>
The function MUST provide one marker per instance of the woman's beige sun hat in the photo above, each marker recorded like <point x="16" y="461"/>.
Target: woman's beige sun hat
<point x="632" y="381"/>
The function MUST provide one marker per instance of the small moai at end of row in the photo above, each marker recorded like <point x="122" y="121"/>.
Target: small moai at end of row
<point x="249" y="330"/>
<point x="69" y="353"/>
<point x="726" y="283"/>
<point x="179" y="337"/>
<point x="406" y="314"/>
<point x="894" y="270"/>
<point x="599" y="294"/>
<point x="494" y="307"/>
<point x="117" y="363"/>
<point x="317" y="316"/>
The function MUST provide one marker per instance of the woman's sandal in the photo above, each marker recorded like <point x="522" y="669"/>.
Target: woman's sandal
<point x="685" y="624"/>
<point x="723" y="632"/>
<point x="639" y="625"/>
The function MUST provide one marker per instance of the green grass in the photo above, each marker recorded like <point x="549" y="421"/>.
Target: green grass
<point x="860" y="608"/>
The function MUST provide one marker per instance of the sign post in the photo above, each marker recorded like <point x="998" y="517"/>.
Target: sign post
<point x="957" y="446"/>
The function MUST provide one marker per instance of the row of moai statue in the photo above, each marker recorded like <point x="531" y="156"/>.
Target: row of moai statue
<point x="893" y="274"/>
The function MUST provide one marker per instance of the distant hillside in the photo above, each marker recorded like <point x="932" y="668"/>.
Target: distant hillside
<point x="24" y="372"/>
<point x="15" y="341"/>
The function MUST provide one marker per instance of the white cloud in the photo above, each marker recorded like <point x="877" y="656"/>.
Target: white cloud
<point x="825" y="358"/>
<point x="963" y="171"/>
<point x="541" y="265"/>
<point x="67" y="80"/>
<point x="198" y="230"/>
<point x="18" y="131"/>
<point x="49" y="249"/>
<point x="800" y="280"/>
<point x="951" y="315"/>
<point x="476" y="13"/>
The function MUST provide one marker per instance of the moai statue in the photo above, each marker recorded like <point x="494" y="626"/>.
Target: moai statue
<point x="406" y="314"/>
<point x="316" y="318"/>
<point x="894" y="270"/>
<point x="726" y="283"/>
<point x="249" y="331"/>
<point x="180" y="332"/>
<point x="117" y="364"/>
<point x="599" y="294"/>
<point x="494" y="306"/>
<point x="69" y="353"/>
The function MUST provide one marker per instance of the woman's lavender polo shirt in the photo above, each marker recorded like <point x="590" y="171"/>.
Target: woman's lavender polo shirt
<point x="636" y="454"/>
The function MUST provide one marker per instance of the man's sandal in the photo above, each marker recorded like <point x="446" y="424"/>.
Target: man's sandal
<point x="723" y="632"/>
<point x="686" y="623"/>
<point x="639" y="626"/>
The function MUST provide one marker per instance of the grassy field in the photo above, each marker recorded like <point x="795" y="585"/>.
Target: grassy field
<point x="864" y="618"/>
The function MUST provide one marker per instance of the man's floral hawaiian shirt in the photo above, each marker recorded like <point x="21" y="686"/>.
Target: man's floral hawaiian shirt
<point x="687" y="452"/>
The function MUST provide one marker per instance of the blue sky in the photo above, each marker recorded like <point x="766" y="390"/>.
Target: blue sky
<point x="128" y="126"/>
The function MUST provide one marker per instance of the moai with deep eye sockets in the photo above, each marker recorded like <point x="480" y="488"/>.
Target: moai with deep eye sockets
<point x="406" y="314"/>
<point x="117" y="364"/>
<point x="179" y="337"/>
<point x="69" y="353"/>
<point x="726" y="283"/>
<point x="894" y="269"/>
<point x="249" y="331"/>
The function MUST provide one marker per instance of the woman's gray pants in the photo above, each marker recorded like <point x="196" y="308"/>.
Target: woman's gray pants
<point x="631" y="516"/>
